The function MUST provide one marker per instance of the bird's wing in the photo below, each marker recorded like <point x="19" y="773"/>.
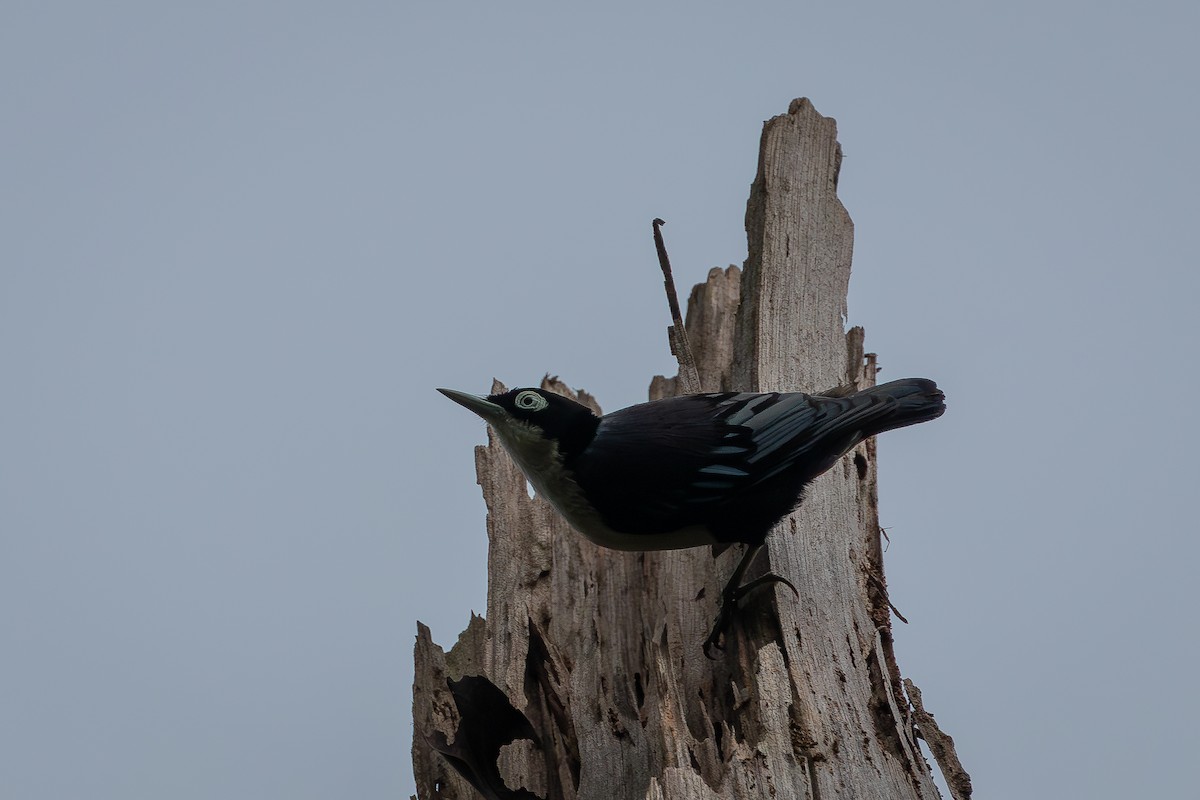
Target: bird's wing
<point x="646" y="465"/>
<point x="805" y="433"/>
<point x="671" y="462"/>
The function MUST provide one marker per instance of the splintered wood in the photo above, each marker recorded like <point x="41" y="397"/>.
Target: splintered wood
<point x="599" y="650"/>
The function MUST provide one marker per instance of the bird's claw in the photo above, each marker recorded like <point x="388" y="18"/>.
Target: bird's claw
<point x="729" y="601"/>
<point x="770" y="577"/>
<point x="712" y="644"/>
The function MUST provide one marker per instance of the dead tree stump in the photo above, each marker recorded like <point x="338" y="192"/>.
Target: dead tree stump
<point x="586" y="677"/>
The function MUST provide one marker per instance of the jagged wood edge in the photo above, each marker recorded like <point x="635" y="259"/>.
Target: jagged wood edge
<point x="537" y="580"/>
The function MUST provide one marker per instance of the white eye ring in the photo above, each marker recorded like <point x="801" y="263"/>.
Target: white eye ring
<point x="530" y="401"/>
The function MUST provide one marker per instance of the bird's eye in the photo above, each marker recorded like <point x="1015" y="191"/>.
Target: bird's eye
<point x="530" y="401"/>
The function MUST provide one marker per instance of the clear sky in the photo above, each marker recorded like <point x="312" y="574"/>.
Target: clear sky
<point x="241" y="243"/>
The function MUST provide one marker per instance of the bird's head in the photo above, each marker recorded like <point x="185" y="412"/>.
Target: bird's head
<point x="520" y="415"/>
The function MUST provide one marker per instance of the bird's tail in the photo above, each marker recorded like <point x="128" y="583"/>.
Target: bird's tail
<point x="909" y="401"/>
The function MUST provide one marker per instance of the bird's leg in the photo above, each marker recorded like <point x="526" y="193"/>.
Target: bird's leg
<point x="734" y="591"/>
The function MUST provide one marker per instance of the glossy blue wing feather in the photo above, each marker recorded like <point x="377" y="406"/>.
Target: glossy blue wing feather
<point x="682" y="457"/>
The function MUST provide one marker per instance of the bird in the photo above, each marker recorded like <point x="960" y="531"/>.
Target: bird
<point x="716" y="468"/>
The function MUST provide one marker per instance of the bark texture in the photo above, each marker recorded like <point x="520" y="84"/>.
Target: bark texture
<point x="599" y="650"/>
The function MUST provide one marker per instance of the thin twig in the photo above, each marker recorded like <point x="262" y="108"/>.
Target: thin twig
<point x="681" y="348"/>
<point x="883" y="590"/>
<point x="664" y="261"/>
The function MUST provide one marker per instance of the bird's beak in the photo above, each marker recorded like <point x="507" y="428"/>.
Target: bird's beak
<point x="480" y="405"/>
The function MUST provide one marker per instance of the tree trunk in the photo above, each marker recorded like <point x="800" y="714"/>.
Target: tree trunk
<point x="592" y="683"/>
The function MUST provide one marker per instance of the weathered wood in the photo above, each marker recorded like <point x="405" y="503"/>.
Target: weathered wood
<point x="942" y="745"/>
<point x="712" y="315"/>
<point x="601" y="649"/>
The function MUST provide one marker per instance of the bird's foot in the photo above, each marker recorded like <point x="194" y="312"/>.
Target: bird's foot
<point x="729" y="600"/>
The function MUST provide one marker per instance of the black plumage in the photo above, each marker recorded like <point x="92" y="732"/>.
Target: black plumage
<point x="735" y="463"/>
<point x="692" y="470"/>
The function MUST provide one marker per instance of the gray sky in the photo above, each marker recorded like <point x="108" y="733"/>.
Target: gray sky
<point x="241" y="243"/>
